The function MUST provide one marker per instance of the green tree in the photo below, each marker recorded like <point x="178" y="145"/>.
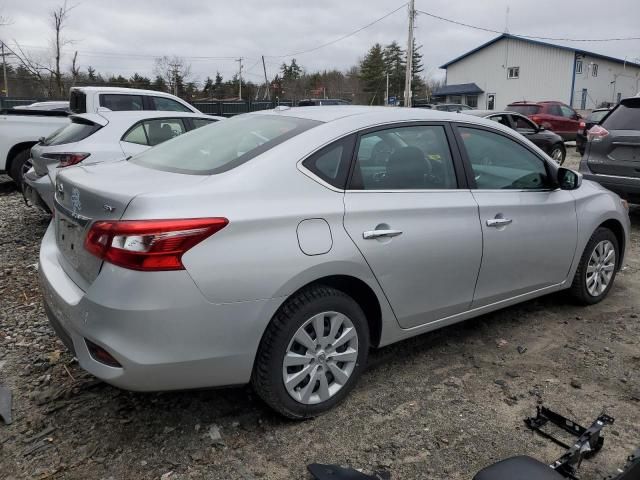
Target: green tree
<point x="138" y="81"/>
<point x="159" y="84"/>
<point x="395" y="65"/>
<point x="292" y="71"/>
<point x="373" y="75"/>
<point x="417" y="83"/>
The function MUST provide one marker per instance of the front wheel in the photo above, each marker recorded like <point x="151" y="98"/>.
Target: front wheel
<point x="312" y="353"/>
<point x="20" y="165"/>
<point x="597" y="269"/>
<point x="558" y="154"/>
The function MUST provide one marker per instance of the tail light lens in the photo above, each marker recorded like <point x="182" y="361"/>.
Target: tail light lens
<point x="66" y="159"/>
<point x="536" y="119"/>
<point x="149" y="245"/>
<point x="582" y="125"/>
<point x="597" y="133"/>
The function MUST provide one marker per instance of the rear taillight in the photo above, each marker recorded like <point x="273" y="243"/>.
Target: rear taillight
<point x="66" y="159"/>
<point x="536" y="119"/>
<point x="149" y="245"/>
<point x="597" y="133"/>
<point x="582" y="125"/>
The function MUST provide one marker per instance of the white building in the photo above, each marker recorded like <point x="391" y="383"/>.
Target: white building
<point x="510" y="68"/>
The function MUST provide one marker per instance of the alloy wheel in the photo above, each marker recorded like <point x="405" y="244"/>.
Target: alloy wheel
<point x="320" y="358"/>
<point x="600" y="268"/>
<point x="556" y="155"/>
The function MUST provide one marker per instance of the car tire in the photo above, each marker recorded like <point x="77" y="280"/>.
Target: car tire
<point x="314" y="307"/>
<point x="17" y="169"/>
<point x="558" y="154"/>
<point x="591" y="269"/>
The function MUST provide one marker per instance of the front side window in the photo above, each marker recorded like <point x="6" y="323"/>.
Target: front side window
<point x="404" y="158"/>
<point x="513" y="72"/>
<point x="223" y="145"/>
<point x="567" y="112"/>
<point x="501" y="163"/>
<point x="117" y="102"/>
<point x="523" y="123"/>
<point x="168" y="105"/>
<point x="502" y="119"/>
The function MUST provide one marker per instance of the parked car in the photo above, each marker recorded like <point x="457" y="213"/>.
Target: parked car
<point x="277" y="247"/>
<point x="21" y="129"/>
<point x="317" y="102"/>
<point x="612" y="155"/>
<point x="554" y="116"/>
<point x="55" y="105"/>
<point x="551" y="143"/>
<point x="93" y="138"/>
<point x="592" y="119"/>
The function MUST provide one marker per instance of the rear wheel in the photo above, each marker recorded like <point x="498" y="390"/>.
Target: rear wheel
<point x="20" y="165"/>
<point x="312" y="353"/>
<point x="597" y="270"/>
<point x="558" y="154"/>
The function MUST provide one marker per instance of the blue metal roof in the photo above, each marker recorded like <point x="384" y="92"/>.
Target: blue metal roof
<point x="537" y="42"/>
<point x="460" y="89"/>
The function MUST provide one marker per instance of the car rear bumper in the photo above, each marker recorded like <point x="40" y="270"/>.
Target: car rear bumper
<point x="38" y="190"/>
<point x="627" y="187"/>
<point x="157" y="325"/>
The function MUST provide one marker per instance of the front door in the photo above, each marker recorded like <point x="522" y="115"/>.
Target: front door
<point x="528" y="225"/>
<point x="418" y="231"/>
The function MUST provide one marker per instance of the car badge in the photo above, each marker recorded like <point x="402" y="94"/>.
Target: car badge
<point x="108" y="208"/>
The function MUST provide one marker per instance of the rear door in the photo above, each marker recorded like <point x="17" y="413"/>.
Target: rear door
<point x="571" y="121"/>
<point x="618" y="153"/>
<point x="529" y="227"/>
<point x="410" y="215"/>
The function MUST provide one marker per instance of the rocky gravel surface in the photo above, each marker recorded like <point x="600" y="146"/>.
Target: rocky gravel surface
<point x="440" y="406"/>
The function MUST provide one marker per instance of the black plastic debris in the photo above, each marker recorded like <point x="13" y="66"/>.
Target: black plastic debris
<point x="5" y="404"/>
<point x="335" y="472"/>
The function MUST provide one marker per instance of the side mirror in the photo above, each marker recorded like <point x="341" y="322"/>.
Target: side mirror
<point x="568" y="179"/>
<point x="541" y="128"/>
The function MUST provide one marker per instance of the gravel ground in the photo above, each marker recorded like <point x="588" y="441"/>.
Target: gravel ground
<point x="440" y="406"/>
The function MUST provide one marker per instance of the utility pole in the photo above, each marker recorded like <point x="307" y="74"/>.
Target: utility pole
<point x="266" y="82"/>
<point x="386" y="93"/>
<point x="409" y="72"/>
<point x="4" y="70"/>
<point x="239" y="78"/>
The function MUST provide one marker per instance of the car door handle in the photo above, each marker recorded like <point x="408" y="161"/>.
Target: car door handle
<point x="371" y="234"/>
<point x="498" y="222"/>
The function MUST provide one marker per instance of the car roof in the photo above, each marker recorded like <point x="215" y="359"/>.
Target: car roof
<point x="124" y="90"/>
<point x="335" y="112"/>
<point x="104" y="117"/>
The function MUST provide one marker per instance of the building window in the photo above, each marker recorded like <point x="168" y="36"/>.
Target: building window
<point x="578" y="66"/>
<point x="513" y="72"/>
<point x="491" y="101"/>
<point x="594" y="69"/>
<point x="455" y="98"/>
<point x="472" y="101"/>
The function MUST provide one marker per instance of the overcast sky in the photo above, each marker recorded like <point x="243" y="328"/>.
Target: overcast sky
<point x="123" y="37"/>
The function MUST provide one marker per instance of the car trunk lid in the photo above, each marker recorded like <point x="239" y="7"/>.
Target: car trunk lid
<point x="84" y="195"/>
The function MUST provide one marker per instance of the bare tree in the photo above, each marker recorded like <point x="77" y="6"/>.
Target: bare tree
<point x="173" y="70"/>
<point x="59" y="17"/>
<point x="75" y="69"/>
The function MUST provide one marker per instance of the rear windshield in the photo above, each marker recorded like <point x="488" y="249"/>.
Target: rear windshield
<point x="524" y="109"/>
<point x="625" y="116"/>
<point x="77" y="130"/>
<point x="595" y="117"/>
<point x="223" y="145"/>
<point x="78" y="102"/>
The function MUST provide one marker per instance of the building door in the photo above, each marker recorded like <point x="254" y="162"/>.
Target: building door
<point x="583" y="99"/>
<point x="491" y="101"/>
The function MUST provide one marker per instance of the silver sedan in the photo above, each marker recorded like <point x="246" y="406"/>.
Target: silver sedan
<point x="278" y="247"/>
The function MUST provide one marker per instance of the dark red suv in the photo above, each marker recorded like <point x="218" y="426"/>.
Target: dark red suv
<point x="555" y="116"/>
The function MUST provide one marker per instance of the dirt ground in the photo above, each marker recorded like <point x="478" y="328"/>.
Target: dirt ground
<point x="440" y="406"/>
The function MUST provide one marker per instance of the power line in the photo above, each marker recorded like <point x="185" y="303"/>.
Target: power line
<point x="350" y="34"/>
<point x="536" y="37"/>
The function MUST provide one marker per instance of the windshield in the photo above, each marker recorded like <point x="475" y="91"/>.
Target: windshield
<point x="223" y="145"/>
<point x="524" y="109"/>
<point x="77" y="130"/>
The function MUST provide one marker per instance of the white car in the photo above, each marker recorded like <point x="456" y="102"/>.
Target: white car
<point x="54" y="105"/>
<point x="20" y="129"/>
<point x="101" y="137"/>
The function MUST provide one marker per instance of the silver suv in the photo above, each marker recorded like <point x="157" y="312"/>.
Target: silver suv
<point x="278" y="247"/>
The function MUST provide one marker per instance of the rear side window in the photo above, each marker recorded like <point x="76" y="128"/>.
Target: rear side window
<point x="169" y="105"/>
<point x="154" y="132"/>
<point x="404" y="158"/>
<point x="625" y="116"/>
<point x="74" y="132"/>
<point x="78" y="102"/>
<point x="117" y="102"/>
<point x="525" y="109"/>
<point x="331" y="164"/>
<point x="223" y="145"/>
<point x="202" y="122"/>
